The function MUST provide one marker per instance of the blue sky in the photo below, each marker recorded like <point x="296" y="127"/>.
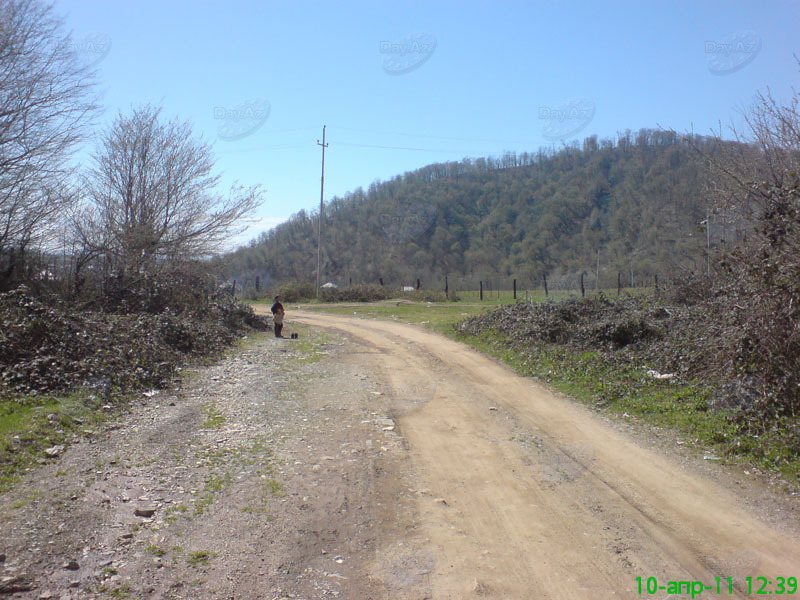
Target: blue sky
<point x="405" y="84"/>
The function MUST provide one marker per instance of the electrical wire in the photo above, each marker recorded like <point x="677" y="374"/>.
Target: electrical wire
<point x="292" y="145"/>
<point x="397" y="147"/>
<point x="260" y="148"/>
<point x="422" y="135"/>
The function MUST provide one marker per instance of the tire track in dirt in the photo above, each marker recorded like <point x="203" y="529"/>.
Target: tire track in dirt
<point x="523" y="494"/>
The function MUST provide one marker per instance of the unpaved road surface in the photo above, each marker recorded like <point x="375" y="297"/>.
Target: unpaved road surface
<point x="375" y="460"/>
<point x="523" y="494"/>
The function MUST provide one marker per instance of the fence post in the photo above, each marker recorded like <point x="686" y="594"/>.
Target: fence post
<point x="446" y="288"/>
<point x="583" y="289"/>
<point x="655" y="277"/>
<point x="515" y="289"/>
<point x="544" y="278"/>
<point x="417" y="283"/>
<point x="381" y="280"/>
<point x="481" y="291"/>
<point x="233" y="292"/>
<point x="619" y="282"/>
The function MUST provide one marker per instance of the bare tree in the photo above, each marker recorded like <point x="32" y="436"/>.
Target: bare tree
<point x="45" y="109"/>
<point x="764" y="156"/>
<point x="152" y="197"/>
<point x="758" y="291"/>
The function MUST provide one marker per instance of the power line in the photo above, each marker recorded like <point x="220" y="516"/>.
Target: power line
<point x="399" y="148"/>
<point x="436" y="137"/>
<point x="462" y="151"/>
<point x="255" y="149"/>
<point x="260" y="148"/>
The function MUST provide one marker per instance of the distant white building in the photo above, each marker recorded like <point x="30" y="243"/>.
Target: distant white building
<point x="408" y="288"/>
<point x="329" y="285"/>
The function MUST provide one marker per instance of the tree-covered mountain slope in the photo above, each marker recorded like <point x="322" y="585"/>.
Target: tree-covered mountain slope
<point x="635" y="205"/>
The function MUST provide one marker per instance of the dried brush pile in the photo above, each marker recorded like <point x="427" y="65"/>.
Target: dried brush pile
<point x="747" y="354"/>
<point x="50" y="345"/>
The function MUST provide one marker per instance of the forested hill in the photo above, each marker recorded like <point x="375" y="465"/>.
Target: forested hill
<point x="638" y="201"/>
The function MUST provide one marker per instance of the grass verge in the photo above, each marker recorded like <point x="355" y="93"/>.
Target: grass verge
<point x="30" y="425"/>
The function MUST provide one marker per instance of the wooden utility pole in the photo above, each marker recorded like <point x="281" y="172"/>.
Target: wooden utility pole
<point x="708" y="243"/>
<point x="321" y="208"/>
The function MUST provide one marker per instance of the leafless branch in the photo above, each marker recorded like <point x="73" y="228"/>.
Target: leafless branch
<point x="46" y="106"/>
<point x="154" y="195"/>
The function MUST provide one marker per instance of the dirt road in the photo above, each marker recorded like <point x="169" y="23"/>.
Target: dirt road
<point x="523" y="494"/>
<point x="374" y="460"/>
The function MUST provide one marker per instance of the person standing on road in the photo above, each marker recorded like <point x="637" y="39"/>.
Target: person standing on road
<point x="277" y="316"/>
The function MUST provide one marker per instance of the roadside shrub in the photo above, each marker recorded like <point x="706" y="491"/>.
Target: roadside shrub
<point x="758" y="300"/>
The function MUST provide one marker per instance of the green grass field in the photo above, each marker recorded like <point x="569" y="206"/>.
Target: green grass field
<point x="439" y="316"/>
